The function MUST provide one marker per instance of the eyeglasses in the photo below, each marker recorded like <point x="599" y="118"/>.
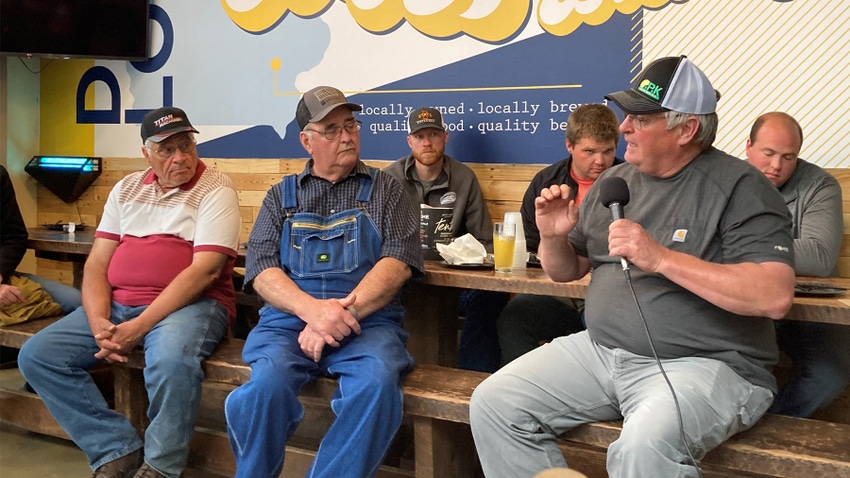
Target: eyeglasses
<point x="166" y="152"/>
<point x="640" y="122"/>
<point x="335" y="132"/>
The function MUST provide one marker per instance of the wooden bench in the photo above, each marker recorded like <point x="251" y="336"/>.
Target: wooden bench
<point x="436" y="405"/>
<point x="17" y="406"/>
<point x="437" y="400"/>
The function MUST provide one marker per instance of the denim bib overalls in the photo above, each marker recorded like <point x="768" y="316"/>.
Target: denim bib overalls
<point x="326" y="256"/>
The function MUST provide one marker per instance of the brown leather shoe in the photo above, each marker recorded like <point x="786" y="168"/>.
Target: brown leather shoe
<point x="147" y="472"/>
<point x="123" y="467"/>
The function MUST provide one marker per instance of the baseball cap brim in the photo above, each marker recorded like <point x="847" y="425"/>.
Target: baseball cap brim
<point x="424" y="126"/>
<point x="158" y="138"/>
<point x="324" y="111"/>
<point x="633" y="103"/>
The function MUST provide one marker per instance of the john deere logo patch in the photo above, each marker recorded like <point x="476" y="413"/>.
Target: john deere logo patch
<point x="651" y="89"/>
<point x="323" y="257"/>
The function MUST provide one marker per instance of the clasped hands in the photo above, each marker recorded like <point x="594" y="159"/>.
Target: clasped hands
<point x="115" y="341"/>
<point x="328" y="323"/>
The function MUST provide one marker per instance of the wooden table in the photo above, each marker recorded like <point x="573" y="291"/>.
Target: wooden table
<point x="62" y="246"/>
<point x="432" y="304"/>
<point x="828" y="309"/>
<point x="833" y="309"/>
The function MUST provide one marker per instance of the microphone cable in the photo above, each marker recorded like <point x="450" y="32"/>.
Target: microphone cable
<point x="663" y="373"/>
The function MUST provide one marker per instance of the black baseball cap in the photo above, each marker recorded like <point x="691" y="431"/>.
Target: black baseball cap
<point x="670" y="83"/>
<point x="318" y="102"/>
<point x="161" y="123"/>
<point x="424" y="118"/>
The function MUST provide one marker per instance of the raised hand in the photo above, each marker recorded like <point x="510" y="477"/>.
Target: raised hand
<point x="555" y="213"/>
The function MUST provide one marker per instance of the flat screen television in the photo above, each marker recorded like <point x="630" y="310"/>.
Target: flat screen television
<point x="107" y="29"/>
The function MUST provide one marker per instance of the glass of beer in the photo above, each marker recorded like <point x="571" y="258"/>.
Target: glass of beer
<point x="504" y="238"/>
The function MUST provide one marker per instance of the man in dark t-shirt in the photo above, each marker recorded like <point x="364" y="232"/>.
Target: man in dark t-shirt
<point x="707" y="240"/>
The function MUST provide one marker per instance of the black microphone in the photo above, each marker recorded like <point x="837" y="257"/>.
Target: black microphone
<point x="614" y="194"/>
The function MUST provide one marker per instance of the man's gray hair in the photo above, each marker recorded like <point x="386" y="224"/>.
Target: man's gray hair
<point x="707" y="126"/>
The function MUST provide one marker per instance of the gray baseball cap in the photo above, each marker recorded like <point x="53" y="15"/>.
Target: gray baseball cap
<point x="318" y="102"/>
<point x="670" y="83"/>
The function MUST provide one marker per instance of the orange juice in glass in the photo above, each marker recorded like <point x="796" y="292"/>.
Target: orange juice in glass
<point x="504" y="238"/>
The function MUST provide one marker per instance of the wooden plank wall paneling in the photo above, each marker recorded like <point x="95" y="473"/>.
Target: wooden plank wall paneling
<point x="503" y="186"/>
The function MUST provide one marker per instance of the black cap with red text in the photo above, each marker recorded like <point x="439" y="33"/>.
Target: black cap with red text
<point x="161" y="123"/>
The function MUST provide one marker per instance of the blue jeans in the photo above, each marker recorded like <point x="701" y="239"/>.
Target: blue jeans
<point x="263" y="413"/>
<point x="69" y="298"/>
<point x="56" y="361"/>
<point x="517" y="413"/>
<point x="820" y="354"/>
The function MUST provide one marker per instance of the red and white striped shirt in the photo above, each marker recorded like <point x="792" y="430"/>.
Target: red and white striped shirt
<point x="158" y="233"/>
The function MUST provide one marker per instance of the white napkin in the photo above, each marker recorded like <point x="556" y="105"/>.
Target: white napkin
<point x="463" y="250"/>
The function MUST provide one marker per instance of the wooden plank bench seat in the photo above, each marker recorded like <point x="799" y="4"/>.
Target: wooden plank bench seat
<point x="17" y="406"/>
<point x="437" y="405"/>
<point x="437" y="400"/>
<point x="14" y="336"/>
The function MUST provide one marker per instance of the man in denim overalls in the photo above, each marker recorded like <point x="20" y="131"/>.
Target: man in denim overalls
<point x="329" y="251"/>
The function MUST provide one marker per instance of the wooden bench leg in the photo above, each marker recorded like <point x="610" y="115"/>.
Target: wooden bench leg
<point x="432" y="322"/>
<point x="131" y="398"/>
<point x="444" y="449"/>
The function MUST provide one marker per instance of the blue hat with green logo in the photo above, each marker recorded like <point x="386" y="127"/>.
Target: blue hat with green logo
<point x="670" y="83"/>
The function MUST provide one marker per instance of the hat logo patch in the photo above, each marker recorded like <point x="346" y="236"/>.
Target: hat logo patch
<point x="425" y="116"/>
<point x="166" y="120"/>
<point x="324" y="95"/>
<point x="651" y="89"/>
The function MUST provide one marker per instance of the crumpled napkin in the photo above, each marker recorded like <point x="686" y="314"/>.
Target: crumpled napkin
<point x="463" y="250"/>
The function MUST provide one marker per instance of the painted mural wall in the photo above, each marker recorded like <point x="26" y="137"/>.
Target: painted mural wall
<point x="505" y="73"/>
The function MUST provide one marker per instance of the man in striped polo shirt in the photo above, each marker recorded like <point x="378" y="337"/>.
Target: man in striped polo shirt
<point x="158" y="277"/>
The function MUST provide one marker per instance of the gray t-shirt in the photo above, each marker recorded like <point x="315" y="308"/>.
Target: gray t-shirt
<point x="717" y="208"/>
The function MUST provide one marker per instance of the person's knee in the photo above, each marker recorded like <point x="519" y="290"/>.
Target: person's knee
<point x="271" y="382"/>
<point x="654" y="436"/>
<point x="33" y="356"/>
<point x="489" y="399"/>
<point x="510" y="318"/>
<point x="174" y="366"/>
<point x="631" y="448"/>
<point x="262" y="395"/>
<point x="827" y="379"/>
<point x="381" y="382"/>
<point x="519" y="318"/>
<point x="26" y="357"/>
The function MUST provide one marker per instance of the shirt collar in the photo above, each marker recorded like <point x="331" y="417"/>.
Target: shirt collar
<point x="360" y="169"/>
